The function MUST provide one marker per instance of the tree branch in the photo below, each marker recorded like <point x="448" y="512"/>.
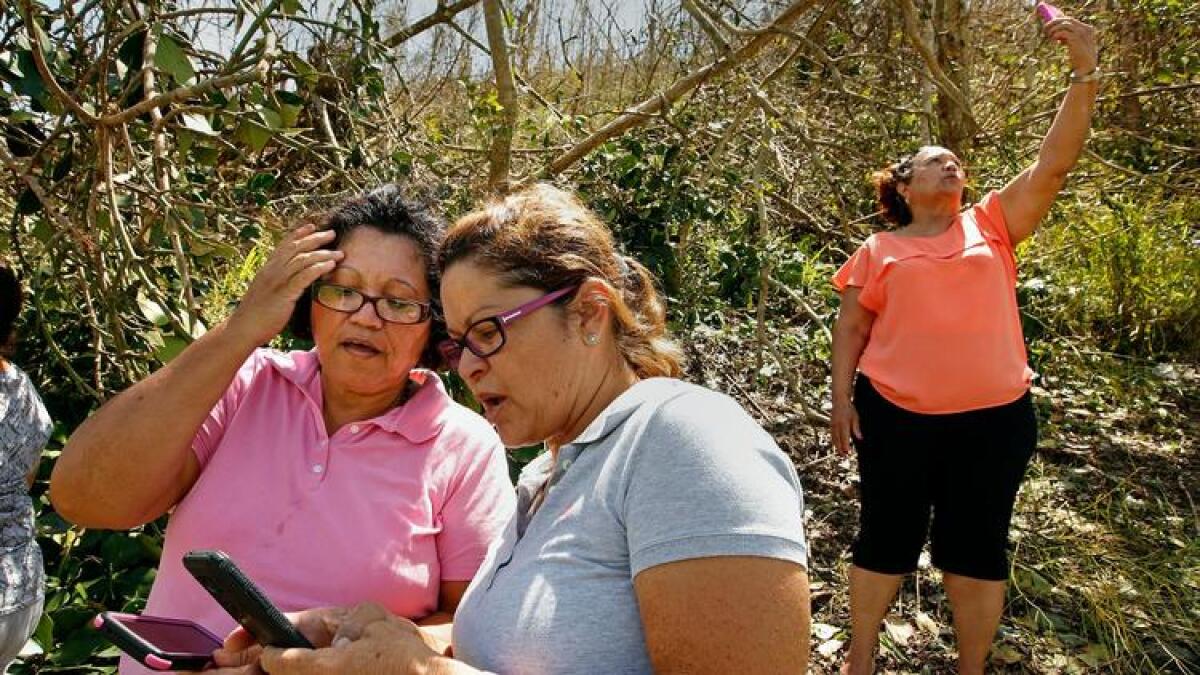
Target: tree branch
<point x="700" y="15"/>
<point x="655" y="104"/>
<point x="39" y="59"/>
<point x="258" y="74"/>
<point x="500" y="154"/>
<point x="443" y="14"/>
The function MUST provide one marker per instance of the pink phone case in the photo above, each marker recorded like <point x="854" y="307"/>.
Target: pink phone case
<point x="1048" y="12"/>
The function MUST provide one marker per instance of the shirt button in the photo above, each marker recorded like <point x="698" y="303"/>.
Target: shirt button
<point x="317" y="468"/>
<point x="354" y="428"/>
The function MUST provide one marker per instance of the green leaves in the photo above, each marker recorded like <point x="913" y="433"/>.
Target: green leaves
<point x="253" y="135"/>
<point x="197" y="124"/>
<point x="171" y="58"/>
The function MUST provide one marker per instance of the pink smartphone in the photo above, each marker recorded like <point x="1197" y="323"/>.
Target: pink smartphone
<point x="159" y="643"/>
<point x="1048" y="12"/>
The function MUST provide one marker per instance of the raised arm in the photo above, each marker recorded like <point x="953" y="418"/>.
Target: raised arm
<point x="131" y="461"/>
<point x="1027" y="199"/>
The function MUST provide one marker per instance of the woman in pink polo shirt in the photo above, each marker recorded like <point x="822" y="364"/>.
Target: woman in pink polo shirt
<point x="332" y="476"/>
<point x="940" y="414"/>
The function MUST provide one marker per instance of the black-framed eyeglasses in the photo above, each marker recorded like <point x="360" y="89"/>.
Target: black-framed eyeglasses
<point x="349" y="300"/>
<point x="485" y="337"/>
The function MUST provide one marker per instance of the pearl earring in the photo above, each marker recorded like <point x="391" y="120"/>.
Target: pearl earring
<point x="591" y="339"/>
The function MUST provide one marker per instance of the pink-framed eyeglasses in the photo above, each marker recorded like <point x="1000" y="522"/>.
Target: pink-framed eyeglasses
<point x="487" y="336"/>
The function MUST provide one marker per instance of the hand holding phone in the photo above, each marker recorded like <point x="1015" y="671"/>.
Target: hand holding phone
<point x="1048" y="12"/>
<point x="248" y="605"/>
<point x="159" y="643"/>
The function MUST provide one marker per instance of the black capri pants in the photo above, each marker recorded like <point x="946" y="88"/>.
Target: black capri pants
<point x="964" y="469"/>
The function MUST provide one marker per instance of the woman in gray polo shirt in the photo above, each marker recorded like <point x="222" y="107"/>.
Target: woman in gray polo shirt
<point x="661" y="532"/>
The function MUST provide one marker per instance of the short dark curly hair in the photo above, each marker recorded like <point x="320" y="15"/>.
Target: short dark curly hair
<point x="11" y="298"/>
<point x="389" y="210"/>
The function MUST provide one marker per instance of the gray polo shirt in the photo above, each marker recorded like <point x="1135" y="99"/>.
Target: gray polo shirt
<point x="669" y="471"/>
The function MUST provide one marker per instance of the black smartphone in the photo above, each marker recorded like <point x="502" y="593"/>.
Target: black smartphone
<point x="157" y="642"/>
<point x="234" y="591"/>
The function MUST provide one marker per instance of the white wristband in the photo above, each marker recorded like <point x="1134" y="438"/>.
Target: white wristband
<point x="1092" y="76"/>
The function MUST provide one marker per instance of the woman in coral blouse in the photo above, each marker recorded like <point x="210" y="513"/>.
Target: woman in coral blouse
<point x="940" y="414"/>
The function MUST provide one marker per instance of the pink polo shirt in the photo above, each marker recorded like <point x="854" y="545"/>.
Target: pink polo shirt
<point x="382" y="511"/>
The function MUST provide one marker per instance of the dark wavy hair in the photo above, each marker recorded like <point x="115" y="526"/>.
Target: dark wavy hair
<point x="11" y="298"/>
<point x="390" y="211"/>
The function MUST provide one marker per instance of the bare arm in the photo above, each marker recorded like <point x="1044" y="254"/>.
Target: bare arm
<point x="850" y="334"/>
<point x="439" y="625"/>
<point x="131" y="461"/>
<point x="1027" y="199"/>
<point x="733" y="614"/>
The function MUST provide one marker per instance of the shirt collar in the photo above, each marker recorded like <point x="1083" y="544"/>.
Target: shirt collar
<point x="615" y="414"/>
<point x="420" y="418"/>
<point x="424" y="414"/>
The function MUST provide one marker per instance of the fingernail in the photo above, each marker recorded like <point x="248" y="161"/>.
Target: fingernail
<point x="341" y="642"/>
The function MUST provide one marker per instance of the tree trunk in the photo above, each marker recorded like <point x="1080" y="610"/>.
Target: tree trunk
<point x="950" y="28"/>
<point x="500" y="154"/>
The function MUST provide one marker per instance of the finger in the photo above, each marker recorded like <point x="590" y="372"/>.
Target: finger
<point x="292" y="661"/>
<point x="854" y="425"/>
<point x="299" y="232"/>
<point x="310" y="242"/>
<point x="302" y="261"/>
<point x="1061" y="21"/>
<point x="305" y="277"/>
<point x="238" y="640"/>
<point x="839" y="439"/>
<point x="291" y="247"/>
<point x="324" y="624"/>
<point x="388" y="625"/>
<point x="230" y="658"/>
<point x="354" y="625"/>
<point x="1059" y="27"/>
<point x="1060" y="34"/>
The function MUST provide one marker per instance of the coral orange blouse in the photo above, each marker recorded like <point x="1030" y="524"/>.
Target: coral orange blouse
<point x="947" y="333"/>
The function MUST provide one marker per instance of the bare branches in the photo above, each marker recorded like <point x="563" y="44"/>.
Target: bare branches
<point x="944" y="84"/>
<point x="701" y="14"/>
<point x="443" y="14"/>
<point x="657" y="104"/>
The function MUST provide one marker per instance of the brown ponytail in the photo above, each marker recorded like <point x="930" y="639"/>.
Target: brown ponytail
<point x="892" y="206"/>
<point x="546" y="238"/>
